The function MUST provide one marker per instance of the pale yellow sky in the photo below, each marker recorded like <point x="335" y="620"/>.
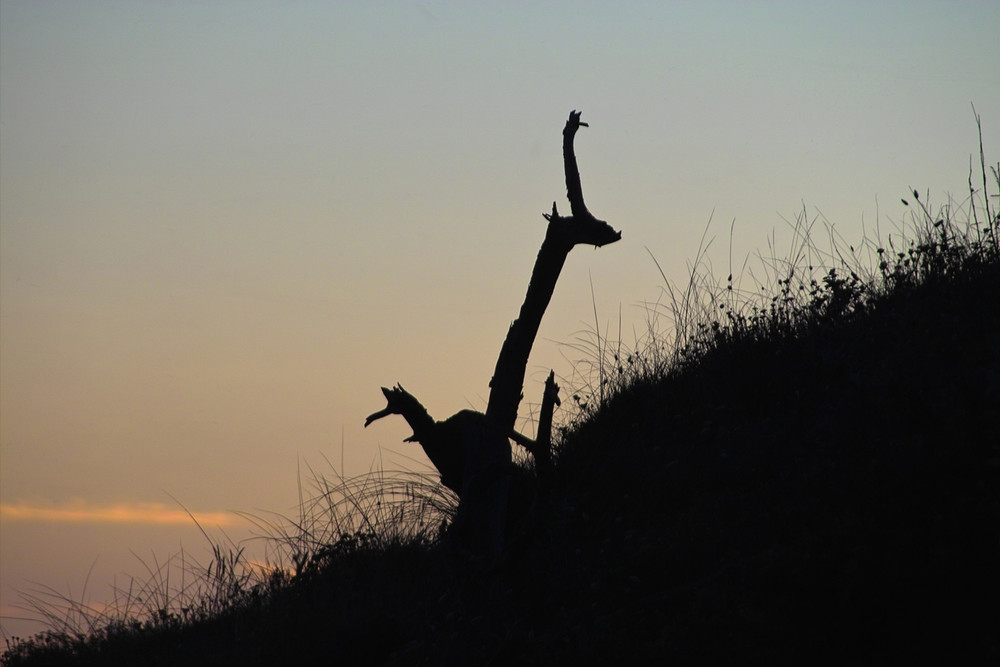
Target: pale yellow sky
<point x="223" y="226"/>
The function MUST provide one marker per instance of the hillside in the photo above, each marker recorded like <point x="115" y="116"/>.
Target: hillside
<point x="828" y="498"/>
<point x="815" y="482"/>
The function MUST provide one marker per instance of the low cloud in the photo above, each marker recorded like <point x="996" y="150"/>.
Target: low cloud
<point x="138" y="513"/>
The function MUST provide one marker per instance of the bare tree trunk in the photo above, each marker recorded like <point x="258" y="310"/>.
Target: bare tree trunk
<point x="560" y="237"/>
<point x="472" y="450"/>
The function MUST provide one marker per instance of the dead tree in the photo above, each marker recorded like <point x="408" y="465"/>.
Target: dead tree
<point x="471" y="450"/>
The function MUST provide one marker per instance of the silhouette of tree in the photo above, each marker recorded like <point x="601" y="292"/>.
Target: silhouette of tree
<point x="471" y="450"/>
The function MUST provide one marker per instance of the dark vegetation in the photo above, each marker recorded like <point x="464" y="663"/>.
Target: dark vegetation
<point x="804" y="474"/>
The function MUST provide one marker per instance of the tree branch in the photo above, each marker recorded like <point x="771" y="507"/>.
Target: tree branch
<point x="444" y="442"/>
<point x="574" y="191"/>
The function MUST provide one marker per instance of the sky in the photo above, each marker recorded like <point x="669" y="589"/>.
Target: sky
<point x="223" y="226"/>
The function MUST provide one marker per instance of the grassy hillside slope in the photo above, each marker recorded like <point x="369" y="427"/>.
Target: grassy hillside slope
<point x="829" y="496"/>
<point x="813" y="481"/>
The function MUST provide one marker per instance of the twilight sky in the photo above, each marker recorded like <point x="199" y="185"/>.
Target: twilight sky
<point x="223" y="226"/>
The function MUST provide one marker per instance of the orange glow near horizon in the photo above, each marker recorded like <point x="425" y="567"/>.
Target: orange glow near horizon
<point x="82" y="512"/>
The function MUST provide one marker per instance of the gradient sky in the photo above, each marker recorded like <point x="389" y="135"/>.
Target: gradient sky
<point x="223" y="226"/>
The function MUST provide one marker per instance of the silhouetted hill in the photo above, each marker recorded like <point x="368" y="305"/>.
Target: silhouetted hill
<point x="819" y="485"/>
<point x="833" y="497"/>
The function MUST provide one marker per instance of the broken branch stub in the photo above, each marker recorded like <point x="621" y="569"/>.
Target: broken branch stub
<point x="441" y="441"/>
<point x="541" y="447"/>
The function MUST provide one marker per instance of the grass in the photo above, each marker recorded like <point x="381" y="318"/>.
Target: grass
<point x="806" y="471"/>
